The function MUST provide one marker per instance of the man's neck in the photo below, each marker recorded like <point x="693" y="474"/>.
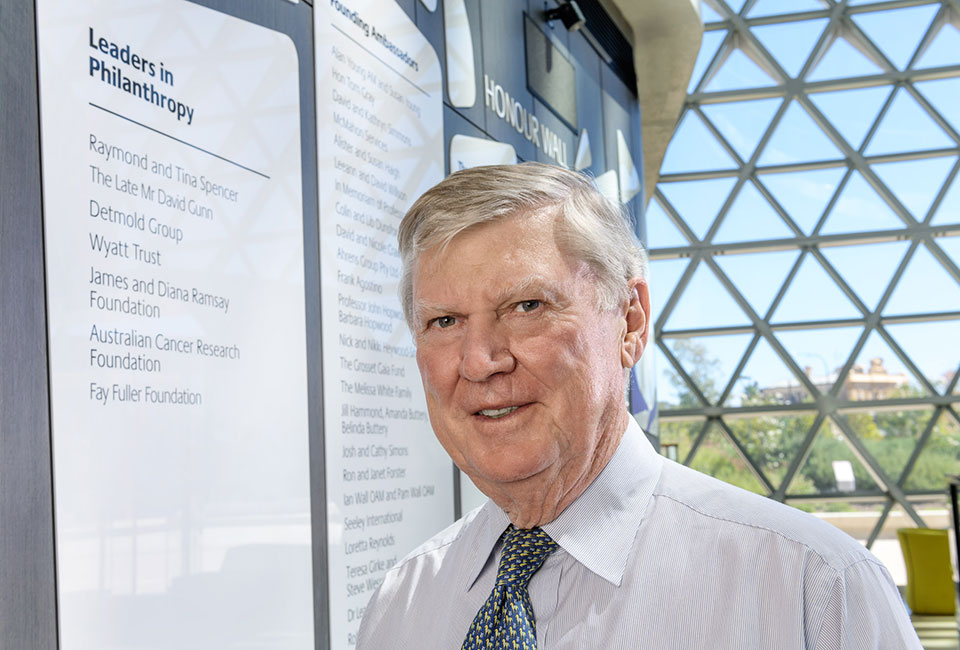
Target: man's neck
<point x="541" y="498"/>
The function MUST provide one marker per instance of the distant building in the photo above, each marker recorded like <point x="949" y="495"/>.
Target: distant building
<point x="860" y="385"/>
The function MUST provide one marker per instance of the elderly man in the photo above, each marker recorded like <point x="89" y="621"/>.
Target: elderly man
<point x="526" y="294"/>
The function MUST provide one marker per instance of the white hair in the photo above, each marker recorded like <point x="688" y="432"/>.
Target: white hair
<point x="590" y="227"/>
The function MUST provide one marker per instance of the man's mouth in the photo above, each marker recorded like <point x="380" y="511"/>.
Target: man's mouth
<point x="497" y="413"/>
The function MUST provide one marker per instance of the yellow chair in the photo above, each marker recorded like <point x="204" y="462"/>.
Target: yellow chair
<point x="926" y="553"/>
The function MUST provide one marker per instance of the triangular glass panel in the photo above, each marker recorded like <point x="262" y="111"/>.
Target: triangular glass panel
<point x="943" y="94"/>
<point x="758" y="276"/>
<point x="767" y="380"/>
<point x="843" y="60"/>
<point x="664" y="275"/>
<point x="798" y="139"/>
<point x="949" y="209"/>
<point x="879" y="374"/>
<point x="950" y="246"/>
<point x="820" y="352"/>
<point x="771" y="441"/>
<point x="804" y="195"/>
<point x="693" y="148"/>
<point x="742" y="123"/>
<point x="661" y="231"/>
<point x="671" y="389"/>
<point x="751" y="218"/>
<point x="915" y="182"/>
<point x="708" y="14"/>
<point x="897" y="31"/>
<point x="791" y="43"/>
<point x="852" y="112"/>
<point x="716" y="456"/>
<point x="813" y="295"/>
<point x="924" y="344"/>
<point x="698" y="202"/>
<point x="708" y="48"/>
<point x="705" y="303"/>
<point x="776" y="7"/>
<point x="680" y="433"/>
<point x="739" y="71"/>
<point x="860" y="209"/>
<point x="710" y="360"/>
<point x="924" y="287"/>
<point x="736" y="5"/>
<point x="907" y="127"/>
<point x="943" y="50"/>
<point x="939" y="459"/>
<point x="867" y="268"/>
<point x="831" y="467"/>
<point x="889" y="436"/>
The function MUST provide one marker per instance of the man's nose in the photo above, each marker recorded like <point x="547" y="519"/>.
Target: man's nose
<point x="485" y="351"/>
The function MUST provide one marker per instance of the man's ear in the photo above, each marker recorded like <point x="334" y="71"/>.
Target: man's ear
<point x="637" y="319"/>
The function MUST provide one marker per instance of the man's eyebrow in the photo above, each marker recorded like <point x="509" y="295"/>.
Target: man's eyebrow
<point x="525" y="289"/>
<point x="529" y="287"/>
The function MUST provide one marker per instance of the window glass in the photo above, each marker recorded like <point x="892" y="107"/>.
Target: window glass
<point x="739" y="71"/>
<point x="813" y="295"/>
<point x="843" y="60"/>
<point x="798" y="139"/>
<point x="907" y="127"/>
<point x="804" y="194"/>
<point x="867" y="268"/>
<point x="897" y="32"/>
<point x="852" y="112"/>
<point x="925" y="287"/>
<point x="743" y="123"/>
<point x="915" y="182"/>
<point x="758" y="276"/>
<point x="750" y="218"/>
<point x="791" y="43"/>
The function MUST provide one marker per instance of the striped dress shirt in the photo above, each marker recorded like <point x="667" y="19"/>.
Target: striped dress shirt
<point x="653" y="555"/>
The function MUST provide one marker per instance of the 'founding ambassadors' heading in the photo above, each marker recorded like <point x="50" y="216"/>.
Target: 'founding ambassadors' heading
<point x="369" y="30"/>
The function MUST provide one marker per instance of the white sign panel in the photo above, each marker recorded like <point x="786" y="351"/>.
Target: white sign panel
<point x="380" y="145"/>
<point x="174" y="254"/>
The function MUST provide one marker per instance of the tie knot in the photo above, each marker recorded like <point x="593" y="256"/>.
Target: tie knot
<point x="524" y="550"/>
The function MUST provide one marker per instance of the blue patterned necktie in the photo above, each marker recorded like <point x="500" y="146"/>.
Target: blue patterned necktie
<point x="506" y="620"/>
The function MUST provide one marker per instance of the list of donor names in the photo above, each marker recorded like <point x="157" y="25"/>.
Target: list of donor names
<point x="142" y="215"/>
<point x="176" y="315"/>
<point x="376" y="374"/>
<point x="379" y="147"/>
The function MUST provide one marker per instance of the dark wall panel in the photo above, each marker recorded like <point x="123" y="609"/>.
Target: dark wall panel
<point x="589" y="99"/>
<point x="456" y="124"/>
<point x="552" y="122"/>
<point x="408" y="7"/>
<point x="556" y="30"/>
<point x="503" y="61"/>
<point x="27" y="575"/>
<point x="473" y="113"/>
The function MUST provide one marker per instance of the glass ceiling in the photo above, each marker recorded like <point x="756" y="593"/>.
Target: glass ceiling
<point x="804" y="239"/>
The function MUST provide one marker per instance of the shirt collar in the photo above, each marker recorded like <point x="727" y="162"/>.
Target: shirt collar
<point x="598" y="529"/>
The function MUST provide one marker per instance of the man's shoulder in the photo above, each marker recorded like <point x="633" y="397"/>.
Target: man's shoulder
<point x="426" y="576"/>
<point x="715" y="503"/>
<point x="431" y="557"/>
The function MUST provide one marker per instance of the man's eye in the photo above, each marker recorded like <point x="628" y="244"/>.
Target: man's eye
<point x="444" y="321"/>
<point x="528" y="305"/>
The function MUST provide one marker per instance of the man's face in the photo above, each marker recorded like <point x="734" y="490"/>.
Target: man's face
<point x="523" y="375"/>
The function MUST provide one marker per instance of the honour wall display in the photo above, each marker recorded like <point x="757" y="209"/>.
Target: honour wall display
<point x="170" y="143"/>
<point x="379" y="146"/>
